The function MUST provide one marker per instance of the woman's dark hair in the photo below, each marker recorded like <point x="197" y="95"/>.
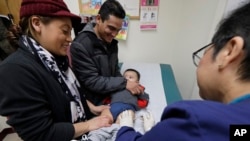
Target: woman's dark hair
<point x="13" y="35"/>
<point x="236" y="24"/>
<point x="24" y="28"/>
<point x="7" y="47"/>
<point x="111" y="7"/>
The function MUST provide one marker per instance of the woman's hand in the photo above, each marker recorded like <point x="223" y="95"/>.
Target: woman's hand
<point x="98" y="122"/>
<point x="97" y="110"/>
<point x="90" y="125"/>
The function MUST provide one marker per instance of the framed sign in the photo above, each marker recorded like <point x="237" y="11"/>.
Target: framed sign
<point x="149" y="14"/>
<point x="91" y="7"/>
<point x="132" y="8"/>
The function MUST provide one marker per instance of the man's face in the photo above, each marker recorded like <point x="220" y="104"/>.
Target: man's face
<point x="108" y="29"/>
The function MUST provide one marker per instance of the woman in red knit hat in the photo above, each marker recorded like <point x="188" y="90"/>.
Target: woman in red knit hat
<point x="39" y="93"/>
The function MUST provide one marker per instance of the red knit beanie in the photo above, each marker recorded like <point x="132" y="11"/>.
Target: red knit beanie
<point x="49" y="8"/>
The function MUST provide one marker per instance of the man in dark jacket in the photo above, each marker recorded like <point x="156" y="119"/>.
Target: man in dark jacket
<point x="94" y="54"/>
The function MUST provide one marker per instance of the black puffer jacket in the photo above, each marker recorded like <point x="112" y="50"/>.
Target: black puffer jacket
<point x="95" y="63"/>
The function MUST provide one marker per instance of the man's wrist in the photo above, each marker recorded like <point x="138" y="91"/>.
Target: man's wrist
<point x="125" y="82"/>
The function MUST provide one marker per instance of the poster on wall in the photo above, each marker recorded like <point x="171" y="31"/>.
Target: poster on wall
<point x="122" y="35"/>
<point x="132" y="8"/>
<point x="89" y="7"/>
<point x="149" y="14"/>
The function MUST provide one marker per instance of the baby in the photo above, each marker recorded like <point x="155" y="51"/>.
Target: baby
<point x="123" y="106"/>
<point x="124" y="100"/>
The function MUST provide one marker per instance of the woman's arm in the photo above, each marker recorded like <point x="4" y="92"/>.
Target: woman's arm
<point x="97" y="110"/>
<point x="92" y="124"/>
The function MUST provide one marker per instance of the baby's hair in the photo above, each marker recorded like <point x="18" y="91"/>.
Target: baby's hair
<point x="138" y="74"/>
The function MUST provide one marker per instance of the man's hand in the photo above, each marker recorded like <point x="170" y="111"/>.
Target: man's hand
<point x="134" y="87"/>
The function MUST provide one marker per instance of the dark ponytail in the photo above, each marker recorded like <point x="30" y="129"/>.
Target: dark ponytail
<point x="7" y="35"/>
<point x="13" y="34"/>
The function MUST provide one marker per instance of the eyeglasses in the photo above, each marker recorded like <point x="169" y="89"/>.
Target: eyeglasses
<point x="197" y="55"/>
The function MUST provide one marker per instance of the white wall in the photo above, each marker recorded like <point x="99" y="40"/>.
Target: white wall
<point x="154" y="46"/>
<point x="199" y="20"/>
<point x="183" y="27"/>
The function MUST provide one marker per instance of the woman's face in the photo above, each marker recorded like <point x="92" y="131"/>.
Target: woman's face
<point x="54" y="36"/>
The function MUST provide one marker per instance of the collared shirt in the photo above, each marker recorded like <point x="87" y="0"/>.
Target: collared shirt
<point x="240" y="99"/>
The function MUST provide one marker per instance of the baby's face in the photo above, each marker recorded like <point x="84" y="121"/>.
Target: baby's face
<point x="131" y="76"/>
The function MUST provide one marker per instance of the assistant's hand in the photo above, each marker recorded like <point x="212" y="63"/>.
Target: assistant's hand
<point x="134" y="87"/>
<point x="149" y="121"/>
<point x="126" y="118"/>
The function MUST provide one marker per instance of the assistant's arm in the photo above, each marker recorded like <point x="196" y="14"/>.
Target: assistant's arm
<point x="176" y="124"/>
